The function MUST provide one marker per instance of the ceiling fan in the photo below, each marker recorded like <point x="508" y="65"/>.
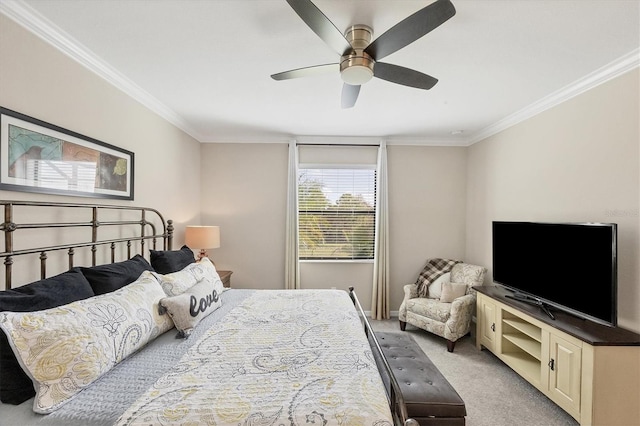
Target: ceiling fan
<point x="359" y="57"/>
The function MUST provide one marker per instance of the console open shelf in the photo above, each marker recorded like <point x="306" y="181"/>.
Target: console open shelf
<point x="526" y="344"/>
<point x="523" y="326"/>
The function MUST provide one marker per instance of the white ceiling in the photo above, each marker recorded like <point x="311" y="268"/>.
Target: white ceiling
<point x="205" y="65"/>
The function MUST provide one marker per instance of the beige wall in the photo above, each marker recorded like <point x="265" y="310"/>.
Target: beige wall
<point x="244" y="188"/>
<point x="577" y="162"/>
<point x="244" y="191"/>
<point x="39" y="81"/>
<point x="427" y="200"/>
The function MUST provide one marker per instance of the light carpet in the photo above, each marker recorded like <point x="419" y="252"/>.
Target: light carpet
<point x="494" y="395"/>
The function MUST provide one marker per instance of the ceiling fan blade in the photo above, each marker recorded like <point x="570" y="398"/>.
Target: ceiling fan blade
<point x="404" y="76"/>
<point x="411" y="29"/>
<point x="321" y="25"/>
<point x="306" y="72"/>
<point x="349" y="95"/>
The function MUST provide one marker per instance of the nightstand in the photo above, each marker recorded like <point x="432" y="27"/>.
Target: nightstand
<point x="225" y="277"/>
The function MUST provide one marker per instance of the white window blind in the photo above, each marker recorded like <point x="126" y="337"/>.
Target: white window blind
<point x="336" y="212"/>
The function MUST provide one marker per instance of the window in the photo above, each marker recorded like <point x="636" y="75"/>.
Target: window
<point x="336" y="212"/>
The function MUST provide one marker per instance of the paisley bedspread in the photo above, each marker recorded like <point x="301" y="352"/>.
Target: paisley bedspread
<point x="281" y="357"/>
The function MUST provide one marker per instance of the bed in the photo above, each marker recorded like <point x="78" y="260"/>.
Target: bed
<point x="137" y="342"/>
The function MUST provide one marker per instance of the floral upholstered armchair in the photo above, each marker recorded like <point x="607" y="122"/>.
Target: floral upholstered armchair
<point x="442" y="303"/>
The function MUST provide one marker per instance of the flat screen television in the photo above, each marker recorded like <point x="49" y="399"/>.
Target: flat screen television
<point x="567" y="266"/>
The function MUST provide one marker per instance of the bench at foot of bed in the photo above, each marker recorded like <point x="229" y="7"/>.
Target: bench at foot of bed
<point x="429" y="397"/>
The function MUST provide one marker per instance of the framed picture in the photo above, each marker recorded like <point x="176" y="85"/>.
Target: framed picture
<point x="36" y="156"/>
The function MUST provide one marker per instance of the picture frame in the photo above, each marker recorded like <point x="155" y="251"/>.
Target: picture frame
<point x="36" y="156"/>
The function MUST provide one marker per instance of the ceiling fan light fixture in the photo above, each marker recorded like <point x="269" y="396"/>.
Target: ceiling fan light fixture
<point x="356" y="68"/>
<point x="357" y="75"/>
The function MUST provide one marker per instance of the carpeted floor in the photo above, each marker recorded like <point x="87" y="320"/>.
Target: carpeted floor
<point x="494" y="394"/>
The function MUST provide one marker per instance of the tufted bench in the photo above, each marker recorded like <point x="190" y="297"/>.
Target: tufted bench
<point x="429" y="397"/>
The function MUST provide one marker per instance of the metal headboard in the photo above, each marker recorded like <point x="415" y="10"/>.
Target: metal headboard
<point x="147" y="230"/>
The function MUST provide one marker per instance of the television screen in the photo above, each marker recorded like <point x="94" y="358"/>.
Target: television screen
<point x="571" y="266"/>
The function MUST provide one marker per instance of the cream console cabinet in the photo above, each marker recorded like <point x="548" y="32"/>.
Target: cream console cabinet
<point x="590" y="370"/>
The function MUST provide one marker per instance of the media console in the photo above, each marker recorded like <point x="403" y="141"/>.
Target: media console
<point x="590" y="370"/>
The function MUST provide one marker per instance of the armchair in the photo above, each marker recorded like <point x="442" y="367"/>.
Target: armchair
<point x="444" y="314"/>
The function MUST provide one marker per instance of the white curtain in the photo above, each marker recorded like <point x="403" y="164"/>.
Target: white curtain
<point x="380" y="294"/>
<point x="292" y="269"/>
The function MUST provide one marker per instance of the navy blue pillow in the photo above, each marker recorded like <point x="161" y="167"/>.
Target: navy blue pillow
<point x="15" y="386"/>
<point x="170" y="261"/>
<point x="113" y="276"/>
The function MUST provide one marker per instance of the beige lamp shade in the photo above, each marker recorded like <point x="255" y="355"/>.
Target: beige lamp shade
<point x="202" y="237"/>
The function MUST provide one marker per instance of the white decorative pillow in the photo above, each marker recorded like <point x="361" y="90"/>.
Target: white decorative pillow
<point x="179" y="282"/>
<point x="65" y="349"/>
<point x="435" y="289"/>
<point x="451" y="291"/>
<point x="189" y="308"/>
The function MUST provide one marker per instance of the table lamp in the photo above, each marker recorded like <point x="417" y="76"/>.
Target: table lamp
<point x="202" y="237"/>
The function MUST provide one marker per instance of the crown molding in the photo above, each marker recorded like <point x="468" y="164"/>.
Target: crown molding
<point x="425" y="141"/>
<point x="33" y="21"/>
<point x="344" y="140"/>
<point x="608" y="72"/>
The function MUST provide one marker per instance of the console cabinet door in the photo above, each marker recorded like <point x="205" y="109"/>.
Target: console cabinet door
<point x="488" y="326"/>
<point x="565" y="369"/>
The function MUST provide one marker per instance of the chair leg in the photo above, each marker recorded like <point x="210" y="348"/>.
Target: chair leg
<point x="403" y="325"/>
<point x="450" y="345"/>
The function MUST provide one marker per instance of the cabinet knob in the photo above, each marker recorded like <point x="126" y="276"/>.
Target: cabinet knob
<point x="551" y="364"/>
<point x="493" y="327"/>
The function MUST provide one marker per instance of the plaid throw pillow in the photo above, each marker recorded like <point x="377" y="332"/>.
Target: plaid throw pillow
<point x="434" y="268"/>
